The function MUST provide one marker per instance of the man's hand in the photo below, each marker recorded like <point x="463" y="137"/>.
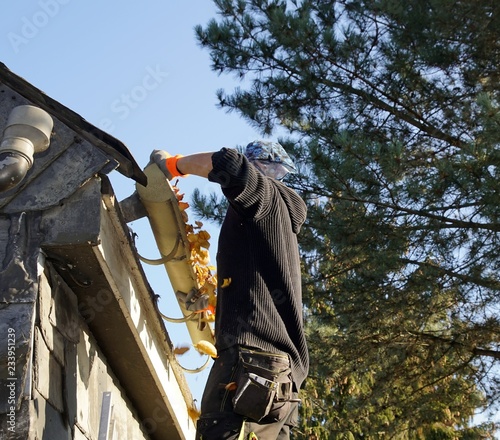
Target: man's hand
<point x="166" y="162"/>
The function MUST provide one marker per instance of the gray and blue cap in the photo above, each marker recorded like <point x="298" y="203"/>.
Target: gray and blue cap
<point x="270" y="158"/>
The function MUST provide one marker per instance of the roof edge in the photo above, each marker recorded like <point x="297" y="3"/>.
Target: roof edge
<point x="102" y="140"/>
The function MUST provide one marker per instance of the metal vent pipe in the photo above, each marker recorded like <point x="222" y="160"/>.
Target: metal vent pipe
<point x="27" y="132"/>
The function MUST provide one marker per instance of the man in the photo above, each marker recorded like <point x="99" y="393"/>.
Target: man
<point x="252" y="389"/>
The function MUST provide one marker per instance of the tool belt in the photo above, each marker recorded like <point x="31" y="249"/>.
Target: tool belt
<point x="264" y="385"/>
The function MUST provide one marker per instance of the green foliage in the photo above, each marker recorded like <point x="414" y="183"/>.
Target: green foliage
<point x="392" y="112"/>
<point x="209" y="207"/>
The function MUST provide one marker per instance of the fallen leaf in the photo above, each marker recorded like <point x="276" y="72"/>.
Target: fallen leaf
<point x="204" y="235"/>
<point x="180" y="350"/>
<point x="210" y="315"/>
<point x="231" y="386"/>
<point x="183" y="206"/>
<point x="205" y="347"/>
<point x="194" y="413"/>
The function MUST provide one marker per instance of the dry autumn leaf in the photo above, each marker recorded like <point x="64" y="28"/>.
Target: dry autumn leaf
<point x="231" y="386"/>
<point x="180" y="350"/>
<point x="210" y="317"/>
<point x="194" y="413"/>
<point x="199" y="256"/>
<point x="225" y="282"/>
<point x="204" y="235"/>
<point x="183" y="206"/>
<point x="205" y="347"/>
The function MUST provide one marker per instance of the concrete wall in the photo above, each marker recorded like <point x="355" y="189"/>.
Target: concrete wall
<point x="71" y="374"/>
<point x="64" y="390"/>
<point x="63" y="345"/>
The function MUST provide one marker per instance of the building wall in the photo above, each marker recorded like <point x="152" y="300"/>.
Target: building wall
<point x="68" y="377"/>
<point x="53" y="372"/>
<point x="18" y="293"/>
<point x="71" y="374"/>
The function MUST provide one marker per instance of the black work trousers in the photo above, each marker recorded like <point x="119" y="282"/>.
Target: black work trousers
<point x="218" y="421"/>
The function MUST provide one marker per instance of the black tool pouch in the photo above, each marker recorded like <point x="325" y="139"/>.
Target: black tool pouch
<point x="263" y="385"/>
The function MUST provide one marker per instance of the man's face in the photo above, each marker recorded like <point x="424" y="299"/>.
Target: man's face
<point x="271" y="169"/>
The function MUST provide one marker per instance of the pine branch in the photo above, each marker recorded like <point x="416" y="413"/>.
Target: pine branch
<point x="475" y="351"/>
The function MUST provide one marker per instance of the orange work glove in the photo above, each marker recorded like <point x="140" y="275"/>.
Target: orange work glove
<point x="167" y="163"/>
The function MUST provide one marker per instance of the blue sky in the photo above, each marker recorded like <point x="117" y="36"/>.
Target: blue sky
<point x="135" y="70"/>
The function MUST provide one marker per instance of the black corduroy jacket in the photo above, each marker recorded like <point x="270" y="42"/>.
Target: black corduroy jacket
<point x="262" y="305"/>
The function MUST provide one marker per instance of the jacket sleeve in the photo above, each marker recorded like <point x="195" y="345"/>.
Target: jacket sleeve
<point x="247" y="190"/>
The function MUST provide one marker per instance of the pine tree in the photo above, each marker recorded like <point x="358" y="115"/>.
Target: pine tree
<point x="391" y="108"/>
